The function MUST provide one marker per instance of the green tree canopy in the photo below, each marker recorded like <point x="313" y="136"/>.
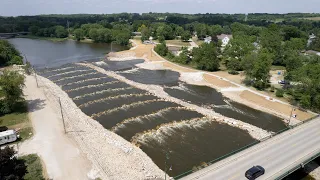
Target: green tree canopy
<point x="206" y="57"/>
<point x="78" y="34"/>
<point x="11" y="83"/>
<point x="9" y="54"/>
<point x="11" y="168"/>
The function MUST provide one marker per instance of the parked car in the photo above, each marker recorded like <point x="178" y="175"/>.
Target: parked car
<point x="254" y="172"/>
<point x="283" y="82"/>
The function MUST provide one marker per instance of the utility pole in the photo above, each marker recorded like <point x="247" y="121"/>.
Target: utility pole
<point x="35" y="75"/>
<point x="290" y="116"/>
<point x="64" y="126"/>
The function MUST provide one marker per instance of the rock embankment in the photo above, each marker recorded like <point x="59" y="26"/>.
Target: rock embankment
<point x="112" y="156"/>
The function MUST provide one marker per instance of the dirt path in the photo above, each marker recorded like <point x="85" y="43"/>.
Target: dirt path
<point x="60" y="154"/>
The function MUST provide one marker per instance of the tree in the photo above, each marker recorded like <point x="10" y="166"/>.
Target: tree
<point x="11" y="83"/>
<point x="93" y="34"/>
<point x="61" y="32"/>
<point x="79" y="34"/>
<point x="185" y="36"/>
<point x="271" y="40"/>
<point x="9" y="54"/>
<point x="11" y="168"/>
<point x="257" y="67"/>
<point x="162" y="49"/>
<point x="34" y="29"/>
<point x="206" y="57"/>
<point x="179" y="31"/>
<point x="183" y="57"/>
<point x="165" y="31"/>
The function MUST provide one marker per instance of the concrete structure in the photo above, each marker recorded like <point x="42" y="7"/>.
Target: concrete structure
<point x="280" y="155"/>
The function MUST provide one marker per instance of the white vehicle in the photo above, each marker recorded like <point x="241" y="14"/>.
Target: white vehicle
<point x="8" y="136"/>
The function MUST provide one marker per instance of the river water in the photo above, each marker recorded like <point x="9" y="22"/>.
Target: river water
<point x="43" y="53"/>
<point x="158" y="127"/>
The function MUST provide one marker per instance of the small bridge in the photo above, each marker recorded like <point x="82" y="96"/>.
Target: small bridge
<point x="12" y="35"/>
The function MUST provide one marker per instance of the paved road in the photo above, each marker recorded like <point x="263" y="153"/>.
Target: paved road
<point x="276" y="155"/>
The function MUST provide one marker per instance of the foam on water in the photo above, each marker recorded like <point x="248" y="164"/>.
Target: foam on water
<point x="112" y="97"/>
<point x="69" y="72"/>
<point x="85" y="80"/>
<point x="72" y="77"/>
<point x="126" y="106"/>
<point x="101" y="92"/>
<point x="91" y="86"/>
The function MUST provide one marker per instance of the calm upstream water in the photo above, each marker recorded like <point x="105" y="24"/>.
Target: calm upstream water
<point x="44" y="53"/>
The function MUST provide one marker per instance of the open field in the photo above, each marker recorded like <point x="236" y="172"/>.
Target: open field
<point x="313" y="18"/>
<point x="19" y="121"/>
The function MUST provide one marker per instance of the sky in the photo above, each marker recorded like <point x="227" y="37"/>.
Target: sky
<point x="36" y="7"/>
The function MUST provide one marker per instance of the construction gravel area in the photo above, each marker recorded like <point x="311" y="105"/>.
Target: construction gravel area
<point x="158" y="91"/>
<point x="112" y="157"/>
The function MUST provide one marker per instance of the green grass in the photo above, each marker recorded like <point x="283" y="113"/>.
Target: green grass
<point x="177" y="42"/>
<point x="313" y="18"/>
<point x="54" y="39"/>
<point x="34" y="167"/>
<point x="13" y="119"/>
<point x="18" y="120"/>
<point x="274" y="68"/>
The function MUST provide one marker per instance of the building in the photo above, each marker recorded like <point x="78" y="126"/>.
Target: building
<point x="208" y="39"/>
<point x="225" y="38"/>
<point x="311" y="38"/>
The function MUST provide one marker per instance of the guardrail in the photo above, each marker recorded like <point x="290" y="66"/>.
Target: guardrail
<point x="298" y="166"/>
<point x="248" y="146"/>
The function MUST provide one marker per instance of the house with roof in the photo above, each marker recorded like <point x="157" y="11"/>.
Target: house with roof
<point x="225" y="38"/>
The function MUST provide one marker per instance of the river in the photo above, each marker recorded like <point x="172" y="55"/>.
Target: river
<point x="44" y="53"/>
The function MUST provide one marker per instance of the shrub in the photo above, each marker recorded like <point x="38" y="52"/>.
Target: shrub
<point x="279" y="92"/>
<point x="233" y="72"/>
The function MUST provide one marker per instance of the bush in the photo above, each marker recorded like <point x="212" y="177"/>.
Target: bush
<point x="279" y="92"/>
<point x="233" y="72"/>
<point x="272" y="89"/>
<point x="34" y="167"/>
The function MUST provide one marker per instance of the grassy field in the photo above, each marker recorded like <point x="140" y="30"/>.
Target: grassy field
<point x="198" y="42"/>
<point x="313" y="18"/>
<point x="54" y="39"/>
<point x="34" y="167"/>
<point x="177" y="42"/>
<point x="18" y="120"/>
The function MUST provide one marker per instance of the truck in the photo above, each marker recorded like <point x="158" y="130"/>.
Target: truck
<point x="8" y="136"/>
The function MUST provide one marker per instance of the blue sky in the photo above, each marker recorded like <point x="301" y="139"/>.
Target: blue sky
<point x="35" y="7"/>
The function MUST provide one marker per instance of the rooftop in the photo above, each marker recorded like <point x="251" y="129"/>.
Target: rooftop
<point x="8" y="132"/>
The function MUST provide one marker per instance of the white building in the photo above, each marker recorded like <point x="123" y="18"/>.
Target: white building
<point x="8" y="136"/>
<point x="225" y="38"/>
